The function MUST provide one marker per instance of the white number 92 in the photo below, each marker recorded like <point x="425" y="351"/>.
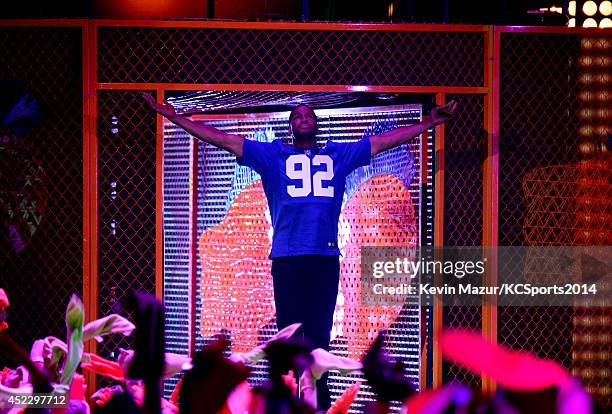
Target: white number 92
<point x="309" y="183"/>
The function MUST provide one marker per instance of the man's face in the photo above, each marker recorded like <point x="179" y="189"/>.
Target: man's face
<point x="303" y="121"/>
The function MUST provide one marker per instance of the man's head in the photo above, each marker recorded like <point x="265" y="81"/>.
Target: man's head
<point x="303" y="123"/>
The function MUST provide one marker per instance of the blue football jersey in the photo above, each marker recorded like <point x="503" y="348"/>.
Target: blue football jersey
<point x="304" y="188"/>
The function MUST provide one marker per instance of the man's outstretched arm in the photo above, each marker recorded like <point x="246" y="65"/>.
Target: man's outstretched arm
<point x="399" y="136"/>
<point x="229" y="142"/>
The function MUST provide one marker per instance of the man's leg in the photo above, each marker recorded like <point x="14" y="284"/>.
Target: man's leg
<point x="323" y="275"/>
<point x="288" y="292"/>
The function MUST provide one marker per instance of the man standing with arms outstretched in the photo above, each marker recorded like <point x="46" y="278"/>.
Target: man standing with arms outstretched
<point x="304" y="184"/>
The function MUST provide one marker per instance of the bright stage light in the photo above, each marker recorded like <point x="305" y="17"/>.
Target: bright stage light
<point x="589" y="8"/>
<point x="594" y="13"/>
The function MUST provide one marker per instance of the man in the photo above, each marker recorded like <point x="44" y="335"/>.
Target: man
<point x="304" y="185"/>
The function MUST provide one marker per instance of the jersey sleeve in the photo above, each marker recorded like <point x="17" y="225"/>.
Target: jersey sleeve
<point x="355" y="154"/>
<point x="259" y="156"/>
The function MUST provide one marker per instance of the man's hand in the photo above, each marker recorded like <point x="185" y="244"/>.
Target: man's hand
<point x="443" y="113"/>
<point x="399" y="136"/>
<point x="218" y="138"/>
<point x="166" y="109"/>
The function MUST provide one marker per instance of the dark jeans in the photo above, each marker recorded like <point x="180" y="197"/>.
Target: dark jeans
<point x="305" y="290"/>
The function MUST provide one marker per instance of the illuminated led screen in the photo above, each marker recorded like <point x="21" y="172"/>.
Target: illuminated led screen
<point x="387" y="203"/>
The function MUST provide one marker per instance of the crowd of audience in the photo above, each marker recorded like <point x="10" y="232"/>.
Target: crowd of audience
<point x="215" y="380"/>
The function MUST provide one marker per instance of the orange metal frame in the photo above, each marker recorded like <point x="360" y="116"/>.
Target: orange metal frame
<point x="438" y="91"/>
<point x="490" y="90"/>
<point x="490" y="190"/>
<point x="90" y="191"/>
<point x="159" y="178"/>
<point x="438" y="242"/>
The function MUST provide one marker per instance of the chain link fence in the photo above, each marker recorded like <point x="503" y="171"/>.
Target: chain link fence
<point x="44" y="171"/>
